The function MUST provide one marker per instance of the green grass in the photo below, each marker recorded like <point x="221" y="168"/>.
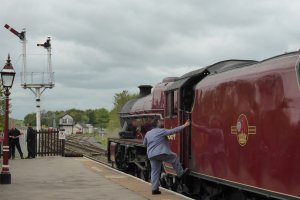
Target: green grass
<point x="102" y="138"/>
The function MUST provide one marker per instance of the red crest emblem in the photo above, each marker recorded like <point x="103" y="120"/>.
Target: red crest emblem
<point x="242" y="130"/>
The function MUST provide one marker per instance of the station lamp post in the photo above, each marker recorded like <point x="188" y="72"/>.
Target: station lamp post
<point x="7" y="78"/>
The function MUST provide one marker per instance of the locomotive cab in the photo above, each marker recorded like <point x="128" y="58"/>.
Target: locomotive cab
<point x="179" y="104"/>
<point x="180" y="98"/>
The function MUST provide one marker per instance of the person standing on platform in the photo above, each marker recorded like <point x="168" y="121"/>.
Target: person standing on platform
<point x="14" y="135"/>
<point x="30" y="141"/>
<point x="158" y="151"/>
<point x="11" y="144"/>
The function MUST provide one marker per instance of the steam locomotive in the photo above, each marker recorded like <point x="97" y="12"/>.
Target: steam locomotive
<point x="245" y="134"/>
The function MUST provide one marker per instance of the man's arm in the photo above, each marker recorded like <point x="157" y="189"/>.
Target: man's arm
<point x="177" y="129"/>
<point x="11" y="134"/>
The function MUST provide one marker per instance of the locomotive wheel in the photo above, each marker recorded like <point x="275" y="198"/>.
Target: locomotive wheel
<point x="179" y="188"/>
<point x="137" y="173"/>
<point x="140" y="174"/>
<point x="166" y="181"/>
<point x="145" y="176"/>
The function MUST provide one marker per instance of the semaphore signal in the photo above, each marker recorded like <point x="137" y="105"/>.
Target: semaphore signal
<point x="20" y="35"/>
<point x="46" y="78"/>
<point x="46" y="45"/>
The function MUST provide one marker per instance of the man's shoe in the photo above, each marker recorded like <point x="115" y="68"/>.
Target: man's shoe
<point x="154" y="192"/>
<point x="185" y="172"/>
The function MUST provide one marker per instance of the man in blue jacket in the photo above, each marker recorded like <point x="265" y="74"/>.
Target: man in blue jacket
<point x="158" y="151"/>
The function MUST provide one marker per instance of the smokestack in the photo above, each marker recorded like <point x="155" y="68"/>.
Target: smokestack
<point x="145" y="90"/>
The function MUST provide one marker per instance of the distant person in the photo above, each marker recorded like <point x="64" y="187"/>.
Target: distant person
<point x="30" y="142"/>
<point x="14" y="135"/>
<point x="11" y="145"/>
<point x="158" y="151"/>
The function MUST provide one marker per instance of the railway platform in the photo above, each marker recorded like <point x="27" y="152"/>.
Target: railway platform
<point x="74" y="178"/>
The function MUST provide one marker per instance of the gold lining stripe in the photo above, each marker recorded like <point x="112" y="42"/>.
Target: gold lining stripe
<point x="233" y="130"/>
<point x="252" y="130"/>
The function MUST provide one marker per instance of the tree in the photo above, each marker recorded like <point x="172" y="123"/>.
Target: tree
<point x="102" y="117"/>
<point x="91" y="115"/>
<point x="119" y="101"/>
<point x="77" y="115"/>
<point x="48" y="118"/>
<point x="30" y="118"/>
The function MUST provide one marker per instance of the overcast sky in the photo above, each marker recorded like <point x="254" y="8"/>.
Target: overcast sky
<point x="102" y="47"/>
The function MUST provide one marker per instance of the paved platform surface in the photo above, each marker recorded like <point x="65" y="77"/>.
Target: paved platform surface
<point x="73" y="178"/>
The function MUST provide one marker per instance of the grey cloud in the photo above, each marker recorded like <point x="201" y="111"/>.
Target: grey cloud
<point x="101" y="47"/>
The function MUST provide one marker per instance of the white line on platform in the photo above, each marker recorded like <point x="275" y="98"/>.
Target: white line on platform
<point x="97" y="169"/>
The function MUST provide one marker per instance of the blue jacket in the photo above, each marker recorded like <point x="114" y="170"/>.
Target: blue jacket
<point x="157" y="142"/>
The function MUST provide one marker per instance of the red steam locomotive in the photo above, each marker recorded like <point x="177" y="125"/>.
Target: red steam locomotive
<point x="245" y="134"/>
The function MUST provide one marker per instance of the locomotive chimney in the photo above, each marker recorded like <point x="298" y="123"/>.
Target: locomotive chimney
<point x="145" y="90"/>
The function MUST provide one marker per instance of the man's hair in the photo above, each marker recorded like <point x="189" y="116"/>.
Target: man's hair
<point x="154" y="122"/>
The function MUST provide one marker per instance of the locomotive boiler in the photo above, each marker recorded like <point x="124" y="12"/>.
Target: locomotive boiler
<point x="127" y="153"/>
<point x="243" y="141"/>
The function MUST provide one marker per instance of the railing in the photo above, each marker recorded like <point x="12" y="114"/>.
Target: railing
<point x="49" y="144"/>
<point x="37" y="78"/>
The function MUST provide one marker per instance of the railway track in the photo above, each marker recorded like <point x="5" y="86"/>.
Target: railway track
<point x="85" y="146"/>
